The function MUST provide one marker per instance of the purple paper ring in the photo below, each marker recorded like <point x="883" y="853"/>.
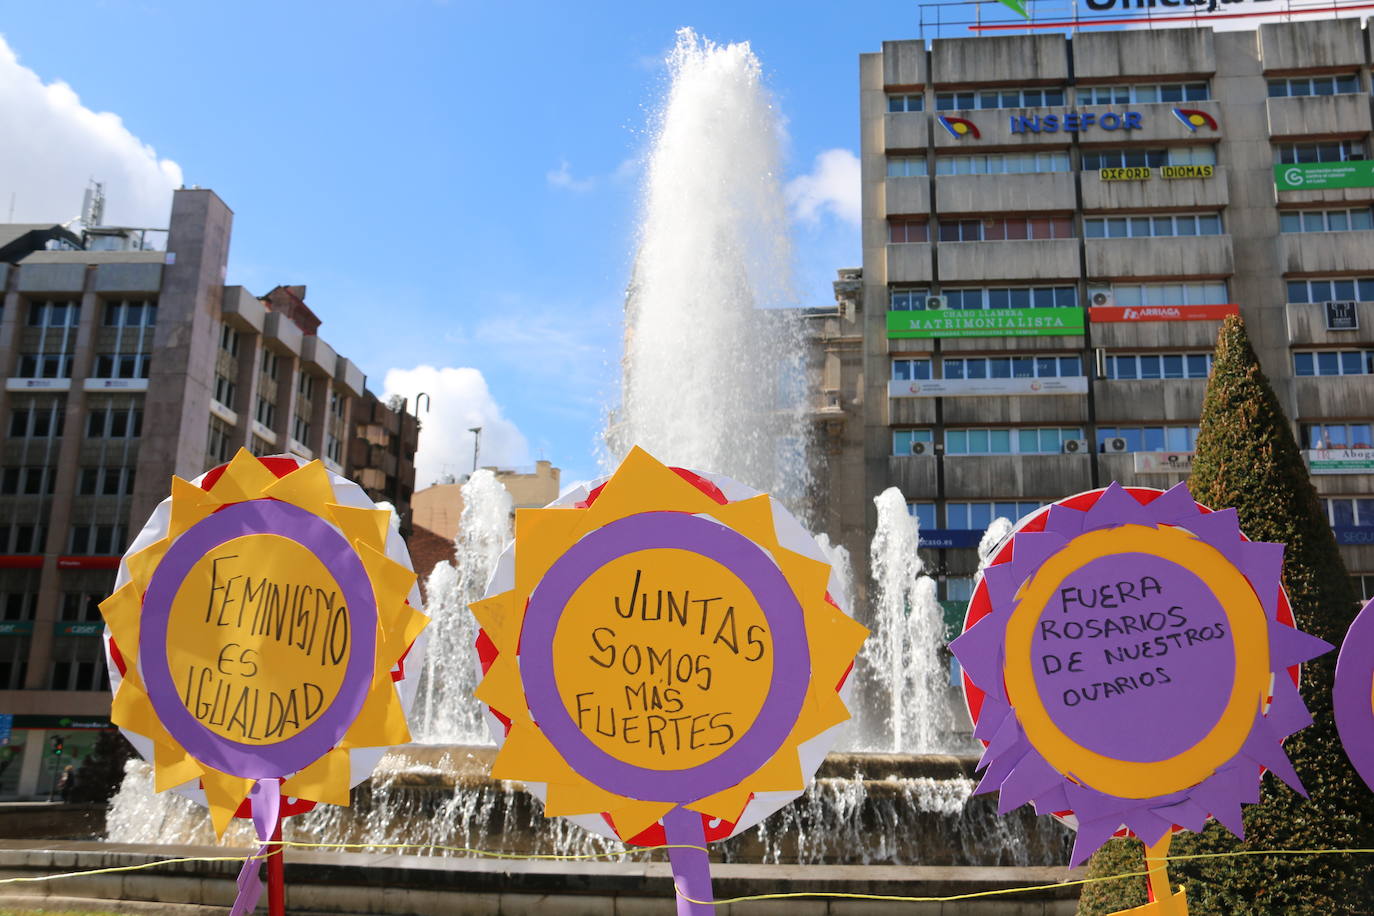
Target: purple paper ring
<point x="1352" y="695"/>
<point x="260" y="516"/>
<point x="781" y="609"/>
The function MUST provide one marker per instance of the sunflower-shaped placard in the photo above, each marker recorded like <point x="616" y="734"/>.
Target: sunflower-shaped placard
<point x="1126" y="661"/>
<point x="664" y="660"/>
<point x="1353" y="694"/>
<point x="258" y="636"/>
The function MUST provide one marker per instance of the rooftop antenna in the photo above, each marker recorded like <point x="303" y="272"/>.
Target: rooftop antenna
<point x="93" y="205"/>
<point x="476" y="443"/>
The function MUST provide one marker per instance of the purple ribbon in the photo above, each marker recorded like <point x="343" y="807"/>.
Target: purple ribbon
<point x="689" y="861"/>
<point x="266" y="803"/>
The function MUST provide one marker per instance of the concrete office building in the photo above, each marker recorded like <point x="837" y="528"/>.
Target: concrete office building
<point x="126" y="360"/>
<point x="1053" y="228"/>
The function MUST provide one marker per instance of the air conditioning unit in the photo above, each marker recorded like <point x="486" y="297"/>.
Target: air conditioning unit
<point x="919" y="448"/>
<point x="1116" y="444"/>
<point x="1101" y="299"/>
<point x="934" y="303"/>
<point x="1075" y="446"/>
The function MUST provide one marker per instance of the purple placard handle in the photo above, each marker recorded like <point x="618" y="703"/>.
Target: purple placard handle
<point x="691" y="866"/>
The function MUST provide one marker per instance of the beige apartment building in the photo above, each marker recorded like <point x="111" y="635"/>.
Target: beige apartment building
<point x="127" y="360"/>
<point x="1054" y="227"/>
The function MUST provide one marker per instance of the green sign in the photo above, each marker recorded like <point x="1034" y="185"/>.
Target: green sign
<point x="1317" y="176"/>
<point x="16" y="627"/>
<point x="85" y="628"/>
<point x="985" y="322"/>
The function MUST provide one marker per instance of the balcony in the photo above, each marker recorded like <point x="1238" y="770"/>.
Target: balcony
<point x="1323" y="43"/>
<point x="242" y="310"/>
<point x="1321" y="253"/>
<point x="1319" y="115"/>
<point x="906" y="196"/>
<point x="904" y="63"/>
<point x="1028" y="410"/>
<point x="914" y="475"/>
<point x="1156" y="335"/>
<point x="905" y="130"/>
<point x="1193" y="257"/>
<point x="1307" y="325"/>
<point x="1156" y="193"/>
<point x="1047" y="191"/>
<point x="1131" y="400"/>
<point x="909" y="263"/>
<point x="115" y="384"/>
<point x="1179" y="53"/>
<point x="38" y="384"/>
<point x="1008" y="60"/>
<point x="974" y="262"/>
<point x="1014" y="476"/>
<point x="1335" y="396"/>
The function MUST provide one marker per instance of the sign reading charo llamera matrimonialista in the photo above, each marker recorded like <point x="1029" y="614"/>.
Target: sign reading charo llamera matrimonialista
<point x="1034" y="322"/>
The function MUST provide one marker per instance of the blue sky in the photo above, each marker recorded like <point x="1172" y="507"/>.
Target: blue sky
<point x="456" y="183"/>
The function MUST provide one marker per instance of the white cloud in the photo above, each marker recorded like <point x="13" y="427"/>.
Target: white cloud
<point x="53" y="146"/>
<point x="832" y="185"/>
<point x="562" y="177"/>
<point x="459" y="400"/>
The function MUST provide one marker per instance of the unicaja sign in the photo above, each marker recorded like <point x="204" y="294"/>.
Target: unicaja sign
<point x="1208" y="6"/>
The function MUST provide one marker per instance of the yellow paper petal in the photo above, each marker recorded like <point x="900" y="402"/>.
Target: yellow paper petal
<point x="500" y="619"/>
<point x="635" y="817"/>
<point x="190" y="504"/>
<point x="398" y="631"/>
<point x="307" y="487"/>
<point x="502" y="690"/>
<point x="642" y="482"/>
<point x="381" y="721"/>
<point x="754" y="516"/>
<point x="580" y="797"/>
<point x="326" y="780"/>
<point x="245" y="478"/>
<point x="543" y="535"/>
<point x="782" y="772"/>
<point x="173" y="767"/>
<point x="367" y="526"/>
<point x="223" y="795"/>
<point x="727" y="805"/>
<point x="122" y="612"/>
<point x="142" y="564"/>
<point x="529" y="757"/>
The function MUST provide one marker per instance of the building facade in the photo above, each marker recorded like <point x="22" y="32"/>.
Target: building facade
<point x="1053" y="229"/>
<point x="124" y="366"/>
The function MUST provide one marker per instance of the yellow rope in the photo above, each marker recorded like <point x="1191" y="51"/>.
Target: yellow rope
<point x="894" y="898"/>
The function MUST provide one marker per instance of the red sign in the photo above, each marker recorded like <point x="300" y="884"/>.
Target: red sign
<point x="1106" y="314"/>
<point x="15" y="561"/>
<point x="88" y="562"/>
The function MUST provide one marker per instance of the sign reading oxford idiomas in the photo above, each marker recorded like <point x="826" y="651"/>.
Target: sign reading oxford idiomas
<point x="985" y="322"/>
<point x="1318" y="176"/>
<point x="982" y="387"/>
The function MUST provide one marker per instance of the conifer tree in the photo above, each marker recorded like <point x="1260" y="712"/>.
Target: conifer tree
<point x="1247" y="458"/>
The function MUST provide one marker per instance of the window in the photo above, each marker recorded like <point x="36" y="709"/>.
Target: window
<point x="1349" y="512"/>
<point x="126" y="314"/>
<point x="267" y="412"/>
<point x="122" y="365"/>
<point x="41" y="420"/>
<point x="336" y="404"/>
<point x="1333" y="362"/>
<point x="35" y="480"/>
<point x="1343" y="290"/>
<point x="1149" y="438"/>
<point x="1329" y="151"/>
<point x="54" y="314"/>
<point x="904" y="370"/>
<point x="998" y="98"/>
<point x="22" y="538"/>
<point x="300" y="429"/>
<point x="229" y="340"/>
<point x="1011" y="297"/>
<point x="1340" y="84"/>
<point x="906" y="300"/>
<point x="96" y="539"/>
<point x="1002" y="163"/>
<point x="1138" y="294"/>
<point x="904" y="439"/>
<point x="1158" y="365"/>
<point x="1133" y="157"/>
<point x="81" y="607"/>
<point x="333" y="448"/>
<point x="1122" y="227"/>
<point x="1014" y="367"/>
<point x="1150" y="92"/>
<point x="114" y="421"/>
<point x="1364" y="585"/>
<point x="305" y="385"/>
<point x="959" y="588"/>
<point x="78" y="663"/>
<point x="924" y="513"/>
<point x="217" y="447"/>
<point x="1009" y="441"/>
<point x="998" y="230"/>
<point x="106" y="481"/>
<point x="1326" y="220"/>
<point x="907" y="102"/>
<point x="224" y="390"/>
<point x="259" y="447"/>
<point x="977" y="516"/>
<point x="1337" y="435"/>
<point x="906" y="166"/>
<point x="902" y="231"/>
<point x="269" y="364"/>
<point x="45" y="365"/>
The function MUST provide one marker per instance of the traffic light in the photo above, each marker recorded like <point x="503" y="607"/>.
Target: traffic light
<point x="57" y="744"/>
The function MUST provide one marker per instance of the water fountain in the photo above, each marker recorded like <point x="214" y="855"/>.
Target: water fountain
<point x="714" y="380"/>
